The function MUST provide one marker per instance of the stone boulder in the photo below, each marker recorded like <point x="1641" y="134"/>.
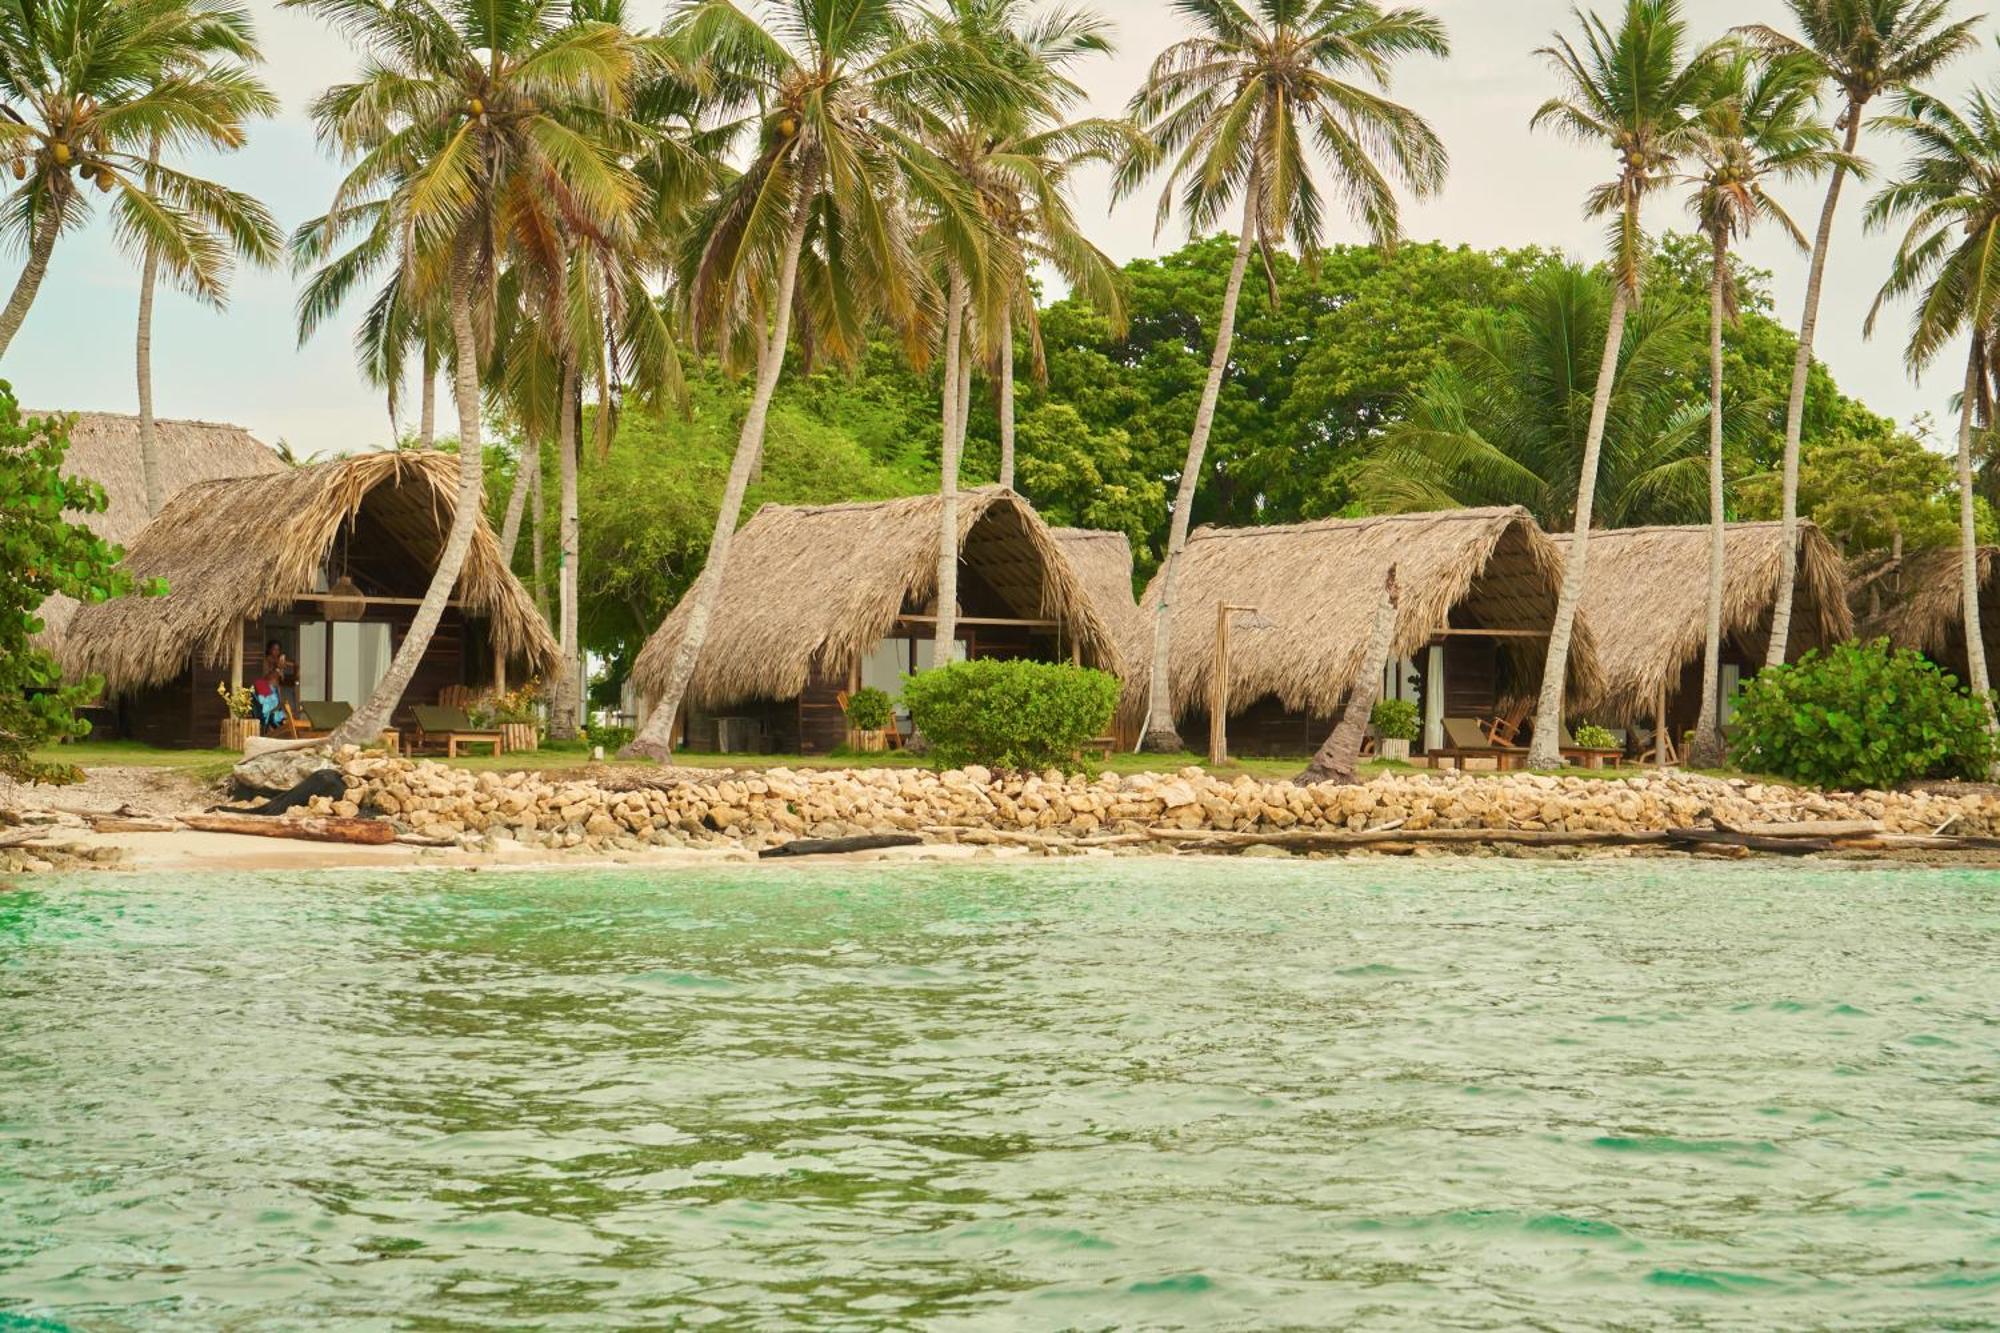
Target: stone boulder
<point x="275" y="772"/>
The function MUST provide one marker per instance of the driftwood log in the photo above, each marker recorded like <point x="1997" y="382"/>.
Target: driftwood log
<point x="835" y="846"/>
<point x="328" y="828"/>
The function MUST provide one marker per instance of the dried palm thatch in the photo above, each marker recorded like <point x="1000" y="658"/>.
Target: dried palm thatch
<point x="1927" y="612"/>
<point x="1316" y="584"/>
<point x="235" y="550"/>
<point x="816" y="588"/>
<point x="104" y="447"/>
<point x="1103" y="560"/>
<point x="1646" y="596"/>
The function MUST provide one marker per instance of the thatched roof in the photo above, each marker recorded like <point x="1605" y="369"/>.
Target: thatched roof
<point x="1317" y="584"/>
<point x="1646" y="596"/>
<point x="818" y="587"/>
<point x="1927" y="611"/>
<point x="1103" y="560"/>
<point x="233" y="550"/>
<point x="104" y="447"/>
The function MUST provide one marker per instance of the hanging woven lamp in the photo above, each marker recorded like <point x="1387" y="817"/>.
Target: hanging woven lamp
<point x="345" y="600"/>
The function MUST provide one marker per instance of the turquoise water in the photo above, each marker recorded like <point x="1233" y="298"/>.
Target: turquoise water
<point x="1195" y="1094"/>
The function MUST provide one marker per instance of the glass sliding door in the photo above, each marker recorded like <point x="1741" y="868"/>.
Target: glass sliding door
<point x="358" y="657"/>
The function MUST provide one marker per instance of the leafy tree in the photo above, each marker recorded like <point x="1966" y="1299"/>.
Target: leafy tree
<point x="816" y="220"/>
<point x="1874" y="492"/>
<point x="1634" y="92"/>
<point x="44" y="553"/>
<point x="647" y="511"/>
<point x="1950" y="194"/>
<point x="475" y="132"/>
<point x="1507" y="418"/>
<point x="1758" y="123"/>
<point x="89" y="87"/>
<point x="1865" y="48"/>
<point x="1232" y="110"/>
<point x="1085" y="478"/>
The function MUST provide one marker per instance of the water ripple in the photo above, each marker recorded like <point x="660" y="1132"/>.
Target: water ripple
<point x="1199" y="1094"/>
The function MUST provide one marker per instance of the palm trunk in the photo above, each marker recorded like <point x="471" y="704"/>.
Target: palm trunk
<point x="956" y="357"/>
<point x="1339" y="758"/>
<point x="656" y="740"/>
<point x="517" y="502"/>
<point x="1546" y="750"/>
<point x="1707" y="751"/>
<point x="563" y="698"/>
<point x="41" y="245"/>
<point x="374" y="716"/>
<point x="1161" y="736"/>
<point x="535" y="507"/>
<point x="1795" y="409"/>
<point x="1006" y="394"/>
<point x="149" y="438"/>
<point x="427" y="399"/>
<point x="1968" y="544"/>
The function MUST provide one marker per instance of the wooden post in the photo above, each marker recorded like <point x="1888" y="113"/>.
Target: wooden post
<point x="236" y="657"/>
<point x="1660" y="729"/>
<point x="499" y="666"/>
<point x="1218" y="691"/>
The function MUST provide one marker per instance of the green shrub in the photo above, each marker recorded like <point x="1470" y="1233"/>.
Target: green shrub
<point x="1592" y="737"/>
<point x="1862" y="715"/>
<point x="868" y="709"/>
<point x="1394" y="719"/>
<point x="613" y="739"/>
<point x="1009" y="715"/>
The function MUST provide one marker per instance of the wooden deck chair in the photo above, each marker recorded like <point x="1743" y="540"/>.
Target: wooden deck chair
<point x="455" y="696"/>
<point x="1505" y="729"/>
<point x="450" y="728"/>
<point x="1465" y="738"/>
<point x="314" y="718"/>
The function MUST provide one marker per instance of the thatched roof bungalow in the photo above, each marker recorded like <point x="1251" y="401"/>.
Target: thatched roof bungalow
<point x="329" y="559"/>
<point x="1926" y="610"/>
<point x="1478" y="593"/>
<point x="824" y="599"/>
<point x="104" y="447"/>
<point x="1646" y="596"/>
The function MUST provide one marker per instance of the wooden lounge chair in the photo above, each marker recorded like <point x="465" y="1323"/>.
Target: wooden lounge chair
<point x="450" y="728"/>
<point x="1466" y="738"/>
<point x="1505" y="729"/>
<point x="311" y="719"/>
<point x="1585" y="756"/>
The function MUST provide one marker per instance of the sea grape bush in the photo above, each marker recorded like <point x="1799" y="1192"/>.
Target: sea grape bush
<point x="43" y="552"/>
<point x="1862" y="716"/>
<point x="1592" y="737"/>
<point x="1012" y="716"/>
<point x="1394" y="719"/>
<point x="868" y="709"/>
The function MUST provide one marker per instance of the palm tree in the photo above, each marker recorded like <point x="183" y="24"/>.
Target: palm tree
<point x="1633" y="91"/>
<point x="477" y="133"/>
<point x="1760" y="124"/>
<point x="1506" y="418"/>
<point x="815" y="225"/>
<point x="1236" y="107"/>
<point x="1950" y="194"/>
<point x="223" y="33"/>
<point x="1865" y="48"/>
<point x="87" y="88"/>
<point x="1005" y="160"/>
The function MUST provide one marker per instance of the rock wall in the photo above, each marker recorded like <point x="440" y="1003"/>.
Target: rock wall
<point x="632" y="808"/>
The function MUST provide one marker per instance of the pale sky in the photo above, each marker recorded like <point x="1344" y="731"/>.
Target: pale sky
<point x="1507" y="188"/>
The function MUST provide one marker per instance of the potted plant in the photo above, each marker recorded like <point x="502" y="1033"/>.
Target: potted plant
<point x="514" y="714"/>
<point x="239" y="726"/>
<point x="868" y="712"/>
<point x="1395" y="723"/>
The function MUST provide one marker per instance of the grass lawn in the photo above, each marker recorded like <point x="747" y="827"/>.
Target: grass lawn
<point x="207" y="765"/>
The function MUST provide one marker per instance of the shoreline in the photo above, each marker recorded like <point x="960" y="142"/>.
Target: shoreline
<point x="448" y="818"/>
